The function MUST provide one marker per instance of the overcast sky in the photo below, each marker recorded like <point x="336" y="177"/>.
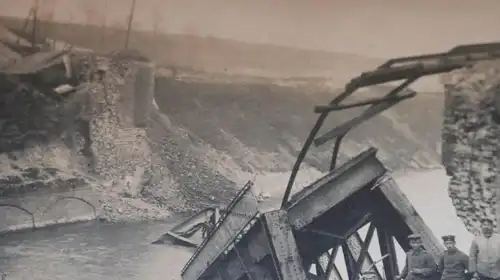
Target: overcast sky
<point x="379" y="28"/>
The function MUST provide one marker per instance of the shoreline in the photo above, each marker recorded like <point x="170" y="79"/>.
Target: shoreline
<point x="59" y="215"/>
<point x="39" y="208"/>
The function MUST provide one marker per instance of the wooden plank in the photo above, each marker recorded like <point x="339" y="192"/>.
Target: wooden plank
<point x="335" y="187"/>
<point x="409" y="214"/>
<point x="239" y="214"/>
<point x="288" y="262"/>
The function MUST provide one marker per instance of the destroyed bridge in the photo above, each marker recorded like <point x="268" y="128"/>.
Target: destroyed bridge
<point x="312" y="225"/>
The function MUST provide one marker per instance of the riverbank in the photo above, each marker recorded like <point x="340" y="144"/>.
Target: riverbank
<point x="37" y="208"/>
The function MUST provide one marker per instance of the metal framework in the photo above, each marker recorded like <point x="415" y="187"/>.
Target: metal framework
<point x="239" y="214"/>
<point x="409" y="69"/>
<point x="311" y="227"/>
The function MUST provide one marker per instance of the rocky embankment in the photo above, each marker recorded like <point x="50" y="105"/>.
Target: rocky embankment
<point x="199" y="140"/>
<point x="93" y="138"/>
<point x="87" y="139"/>
<point x="471" y="138"/>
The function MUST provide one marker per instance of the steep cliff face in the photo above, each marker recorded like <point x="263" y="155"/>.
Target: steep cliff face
<point x="471" y="133"/>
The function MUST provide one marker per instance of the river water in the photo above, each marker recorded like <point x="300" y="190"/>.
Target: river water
<point x="92" y="251"/>
<point x="95" y="250"/>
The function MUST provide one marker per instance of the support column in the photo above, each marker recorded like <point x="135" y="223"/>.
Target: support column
<point x="144" y="90"/>
<point x="387" y="246"/>
<point x="287" y="260"/>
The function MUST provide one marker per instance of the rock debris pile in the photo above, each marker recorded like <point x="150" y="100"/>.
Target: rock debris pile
<point x="91" y="136"/>
<point x="120" y="151"/>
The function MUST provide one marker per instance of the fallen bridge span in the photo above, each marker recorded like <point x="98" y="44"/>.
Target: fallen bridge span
<point x="310" y="228"/>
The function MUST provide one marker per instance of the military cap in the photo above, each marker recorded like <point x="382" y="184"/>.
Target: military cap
<point x="414" y="237"/>
<point x="448" y="238"/>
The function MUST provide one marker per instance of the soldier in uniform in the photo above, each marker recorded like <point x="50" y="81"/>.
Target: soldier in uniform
<point x="420" y="265"/>
<point x="484" y="254"/>
<point x="453" y="264"/>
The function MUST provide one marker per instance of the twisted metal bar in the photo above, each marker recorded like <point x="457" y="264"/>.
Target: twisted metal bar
<point x="391" y="70"/>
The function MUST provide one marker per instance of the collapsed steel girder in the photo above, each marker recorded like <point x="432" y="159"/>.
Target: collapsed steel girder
<point x="283" y="244"/>
<point x="409" y="69"/>
<point x="325" y="216"/>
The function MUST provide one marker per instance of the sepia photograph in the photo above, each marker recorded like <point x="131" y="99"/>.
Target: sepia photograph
<point x="249" y="140"/>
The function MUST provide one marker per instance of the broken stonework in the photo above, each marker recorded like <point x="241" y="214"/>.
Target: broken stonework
<point x="471" y="140"/>
<point x="120" y="150"/>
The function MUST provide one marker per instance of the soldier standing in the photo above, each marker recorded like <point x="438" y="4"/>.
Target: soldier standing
<point x="485" y="253"/>
<point x="453" y="264"/>
<point x="420" y="265"/>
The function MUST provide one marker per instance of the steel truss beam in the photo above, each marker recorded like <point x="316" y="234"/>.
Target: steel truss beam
<point x="408" y="69"/>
